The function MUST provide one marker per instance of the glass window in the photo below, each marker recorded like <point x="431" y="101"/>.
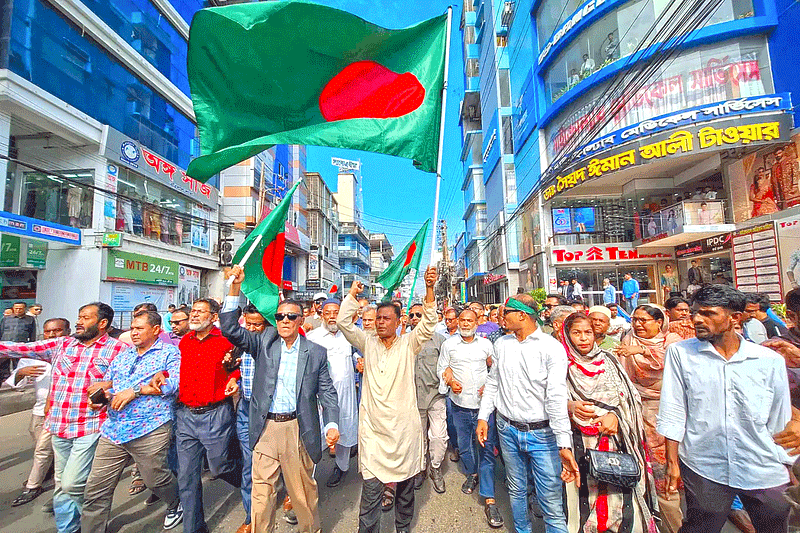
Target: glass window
<point x="55" y="199"/>
<point x="504" y="88"/>
<point x="619" y="34"/>
<point x="472" y="69"/>
<point x="551" y="14"/>
<point x="469" y="35"/>
<point x="713" y="73"/>
<point x="55" y="55"/>
<point x="508" y="136"/>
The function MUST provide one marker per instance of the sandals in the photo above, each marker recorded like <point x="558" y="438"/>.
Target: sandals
<point x="137" y="483"/>
<point x="388" y="499"/>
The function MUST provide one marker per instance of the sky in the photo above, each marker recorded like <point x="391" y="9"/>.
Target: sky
<point x="397" y="197"/>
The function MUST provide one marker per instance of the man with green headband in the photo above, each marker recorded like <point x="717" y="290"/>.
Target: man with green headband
<point x="527" y="387"/>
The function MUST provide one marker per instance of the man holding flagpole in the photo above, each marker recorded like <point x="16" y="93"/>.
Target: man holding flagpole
<point x="390" y="432"/>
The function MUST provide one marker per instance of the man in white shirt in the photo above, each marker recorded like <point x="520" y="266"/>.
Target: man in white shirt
<point x="722" y="400"/>
<point x="528" y="387"/>
<point x="340" y="365"/>
<point x="618" y="324"/>
<point x="753" y="328"/>
<point x="40" y="374"/>
<point x="463" y="366"/>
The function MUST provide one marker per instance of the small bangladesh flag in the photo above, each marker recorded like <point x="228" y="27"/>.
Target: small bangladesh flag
<point x="294" y="72"/>
<point x="263" y="270"/>
<point x="409" y="258"/>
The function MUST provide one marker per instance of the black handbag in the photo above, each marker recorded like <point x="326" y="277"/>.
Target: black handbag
<point x="615" y="468"/>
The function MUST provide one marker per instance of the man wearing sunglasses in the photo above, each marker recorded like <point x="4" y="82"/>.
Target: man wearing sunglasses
<point x="390" y="433"/>
<point x="180" y="324"/>
<point x="291" y="376"/>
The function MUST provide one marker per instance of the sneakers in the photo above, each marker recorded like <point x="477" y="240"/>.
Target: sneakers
<point x="27" y="496"/>
<point x="174" y="517"/>
<point x="290" y="517"/>
<point x="336" y="477"/>
<point x="469" y="484"/>
<point x="437" y="479"/>
<point x="493" y="516"/>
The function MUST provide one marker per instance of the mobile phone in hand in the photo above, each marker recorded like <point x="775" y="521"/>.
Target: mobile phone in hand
<point x="98" y="397"/>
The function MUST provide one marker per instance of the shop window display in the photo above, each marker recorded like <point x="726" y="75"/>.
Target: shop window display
<point x="64" y="199"/>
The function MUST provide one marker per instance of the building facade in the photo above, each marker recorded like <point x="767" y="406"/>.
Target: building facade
<point x="323" y="232"/>
<point x="96" y="118"/>
<point x="634" y="157"/>
<point x="381" y="254"/>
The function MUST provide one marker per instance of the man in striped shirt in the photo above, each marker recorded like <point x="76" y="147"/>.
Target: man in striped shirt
<point x="78" y="362"/>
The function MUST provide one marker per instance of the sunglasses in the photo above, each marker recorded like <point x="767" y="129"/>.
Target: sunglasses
<point x="176" y="322"/>
<point x="415" y="315"/>
<point x="291" y="316"/>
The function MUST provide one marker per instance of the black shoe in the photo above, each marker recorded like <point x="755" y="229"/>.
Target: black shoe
<point x="152" y="500"/>
<point x="290" y="517"/>
<point x="354" y="450"/>
<point x="469" y="484"/>
<point x="493" y="516"/>
<point x="419" y="479"/>
<point x="336" y="477"/>
<point x="454" y="455"/>
<point x="437" y="479"/>
<point x="27" y="496"/>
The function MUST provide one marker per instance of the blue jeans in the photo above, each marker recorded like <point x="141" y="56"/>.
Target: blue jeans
<point x="73" y="462"/>
<point x="536" y="451"/>
<point x="243" y="432"/>
<point x="632" y="303"/>
<point x="451" y="427"/>
<point x="473" y="456"/>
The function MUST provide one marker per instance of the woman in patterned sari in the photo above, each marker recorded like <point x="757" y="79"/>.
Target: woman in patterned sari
<point x="642" y="355"/>
<point x="606" y="414"/>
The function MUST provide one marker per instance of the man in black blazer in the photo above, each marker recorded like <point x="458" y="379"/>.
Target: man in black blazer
<point x="291" y="376"/>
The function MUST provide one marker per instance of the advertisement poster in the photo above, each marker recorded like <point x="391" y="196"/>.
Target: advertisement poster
<point x="200" y="229"/>
<point x="9" y="250"/>
<point x="531" y="232"/>
<point x="703" y="213"/>
<point x="126" y="296"/>
<point x="755" y="261"/>
<point x="583" y="220"/>
<point x="562" y="220"/>
<point x="188" y="285"/>
<point x="789" y="239"/>
<point x="767" y="181"/>
<point x="110" y="204"/>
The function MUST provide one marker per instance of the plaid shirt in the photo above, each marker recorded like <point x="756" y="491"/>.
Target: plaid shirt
<point x="248" y="369"/>
<point x="75" y="367"/>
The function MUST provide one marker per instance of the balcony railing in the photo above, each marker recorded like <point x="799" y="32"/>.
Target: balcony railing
<point x="683" y="222"/>
<point x="354" y="254"/>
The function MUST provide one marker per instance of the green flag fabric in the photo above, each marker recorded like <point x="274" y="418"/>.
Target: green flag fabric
<point x="409" y="258"/>
<point x="294" y="72"/>
<point x="263" y="270"/>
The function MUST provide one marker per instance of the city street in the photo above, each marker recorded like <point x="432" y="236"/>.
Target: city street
<point x="338" y="507"/>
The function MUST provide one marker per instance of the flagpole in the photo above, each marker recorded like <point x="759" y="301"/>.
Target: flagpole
<point x="413" y="288"/>
<point x="246" y="256"/>
<point x="441" y="135"/>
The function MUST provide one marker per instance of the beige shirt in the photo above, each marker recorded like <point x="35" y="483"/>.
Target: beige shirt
<point x="390" y="446"/>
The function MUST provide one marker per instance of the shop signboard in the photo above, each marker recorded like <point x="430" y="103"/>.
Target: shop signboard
<point x="126" y="266"/>
<point x="110" y="203"/>
<point x="604" y="253"/>
<point x="708" y="245"/>
<point x="201" y="238"/>
<point x="126" y="296"/>
<point x="789" y="244"/>
<point x="128" y="152"/>
<point x="9" y="251"/>
<point x="112" y="240"/>
<point x="188" y="285"/>
<point x="36" y="256"/>
<point x="561" y="220"/>
<point x="313" y="268"/>
<point x="699" y="138"/>
<point x="766" y="181"/>
<point x="39" y="229"/>
<point x="755" y="261"/>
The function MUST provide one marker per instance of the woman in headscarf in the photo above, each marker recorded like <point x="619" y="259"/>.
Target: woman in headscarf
<point x="606" y="414"/>
<point x="642" y="355"/>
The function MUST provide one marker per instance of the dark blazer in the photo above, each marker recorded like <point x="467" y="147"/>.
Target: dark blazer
<point x="313" y="381"/>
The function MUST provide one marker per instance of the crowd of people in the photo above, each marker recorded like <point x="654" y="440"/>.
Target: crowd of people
<point x="601" y="423"/>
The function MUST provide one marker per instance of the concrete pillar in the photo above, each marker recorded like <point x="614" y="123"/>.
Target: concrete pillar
<point x="5" y="142"/>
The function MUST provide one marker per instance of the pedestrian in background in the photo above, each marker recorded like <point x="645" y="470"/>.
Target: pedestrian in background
<point x="630" y="292"/>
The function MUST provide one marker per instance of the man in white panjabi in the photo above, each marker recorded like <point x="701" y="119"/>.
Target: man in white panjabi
<point x="340" y="366"/>
<point x="390" y="431"/>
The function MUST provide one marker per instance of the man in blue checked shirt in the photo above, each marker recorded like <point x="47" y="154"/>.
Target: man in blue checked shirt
<point x="255" y="322"/>
<point x="139" y="424"/>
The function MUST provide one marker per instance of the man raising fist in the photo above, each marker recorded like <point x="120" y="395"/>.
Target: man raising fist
<point x="390" y="432"/>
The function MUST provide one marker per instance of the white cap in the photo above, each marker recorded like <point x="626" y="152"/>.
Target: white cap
<point x="320" y="296"/>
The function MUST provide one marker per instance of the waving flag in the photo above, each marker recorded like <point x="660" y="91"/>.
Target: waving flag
<point x="294" y="72"/>
<point x="263" y="269"/>
<point x="409" y="258"/>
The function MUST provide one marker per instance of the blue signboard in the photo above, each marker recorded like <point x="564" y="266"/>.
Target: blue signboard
<point x="583" y="220"/>
<point x="491" y="148"/>
<point x="562" y="222"/>
<point x="40" y="229"/>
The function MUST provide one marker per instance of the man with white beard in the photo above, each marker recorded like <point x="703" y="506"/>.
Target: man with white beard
<point x="340" y="364"/>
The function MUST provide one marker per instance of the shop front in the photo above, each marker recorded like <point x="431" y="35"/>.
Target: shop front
<point x="789" y="244"/>
<point x="709" y="261"/>
<point x="590" y="264"/>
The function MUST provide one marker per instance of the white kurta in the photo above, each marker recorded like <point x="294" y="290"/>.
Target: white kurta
<point x="390" y="439"/>
<point x="340" y="366"/>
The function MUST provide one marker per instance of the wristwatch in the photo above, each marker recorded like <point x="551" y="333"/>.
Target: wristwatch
<point x="137" y="391"/>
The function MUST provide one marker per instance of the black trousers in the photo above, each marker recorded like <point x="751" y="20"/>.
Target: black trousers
<point x="369" y="516"/>
<point x="708" y="503"/>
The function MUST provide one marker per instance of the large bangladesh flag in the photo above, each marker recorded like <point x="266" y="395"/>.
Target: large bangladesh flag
<point x="293" y="72"/>
<point x="409" y="258"/>
<point x="263" y="271"/>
